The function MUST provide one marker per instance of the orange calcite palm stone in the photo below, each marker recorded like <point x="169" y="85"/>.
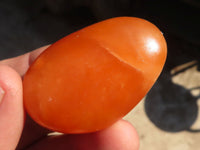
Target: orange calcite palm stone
<point x="91" y="78"/>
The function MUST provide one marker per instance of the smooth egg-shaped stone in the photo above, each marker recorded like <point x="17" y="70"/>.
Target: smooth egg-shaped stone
<point x="89" y="79"/>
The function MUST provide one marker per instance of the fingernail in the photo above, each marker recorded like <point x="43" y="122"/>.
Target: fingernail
<point x="2" y="92"/>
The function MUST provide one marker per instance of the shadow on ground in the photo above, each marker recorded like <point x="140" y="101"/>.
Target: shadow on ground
<point x="171" y="107"/>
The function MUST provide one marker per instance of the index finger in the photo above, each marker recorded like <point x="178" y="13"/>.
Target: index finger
<point x="21" y="63"/>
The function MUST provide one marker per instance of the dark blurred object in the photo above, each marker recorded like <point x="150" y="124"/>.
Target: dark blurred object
<point x="180" y="17"/>
<point x="194" y="3"/>
<point x="100" y="8"/>
<point x="175" y="17"/>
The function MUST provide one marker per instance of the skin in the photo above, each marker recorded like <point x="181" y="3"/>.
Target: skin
<point x="22" y="132"/>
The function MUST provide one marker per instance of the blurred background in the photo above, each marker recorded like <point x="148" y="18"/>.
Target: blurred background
<point x="168" y="117"/>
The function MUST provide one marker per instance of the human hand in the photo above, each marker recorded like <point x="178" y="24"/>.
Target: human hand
<point x="120" y="136"/>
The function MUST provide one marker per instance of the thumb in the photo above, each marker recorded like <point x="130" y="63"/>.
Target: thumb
<point x="11" y="108"/>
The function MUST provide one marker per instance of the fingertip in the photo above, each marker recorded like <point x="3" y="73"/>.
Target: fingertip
<point x="11" y="108"/>
<point x="21" y="63"/>
<point x="121" y="135"/>
<point x="133" y="136"/>
<point x="10" y="81"/>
